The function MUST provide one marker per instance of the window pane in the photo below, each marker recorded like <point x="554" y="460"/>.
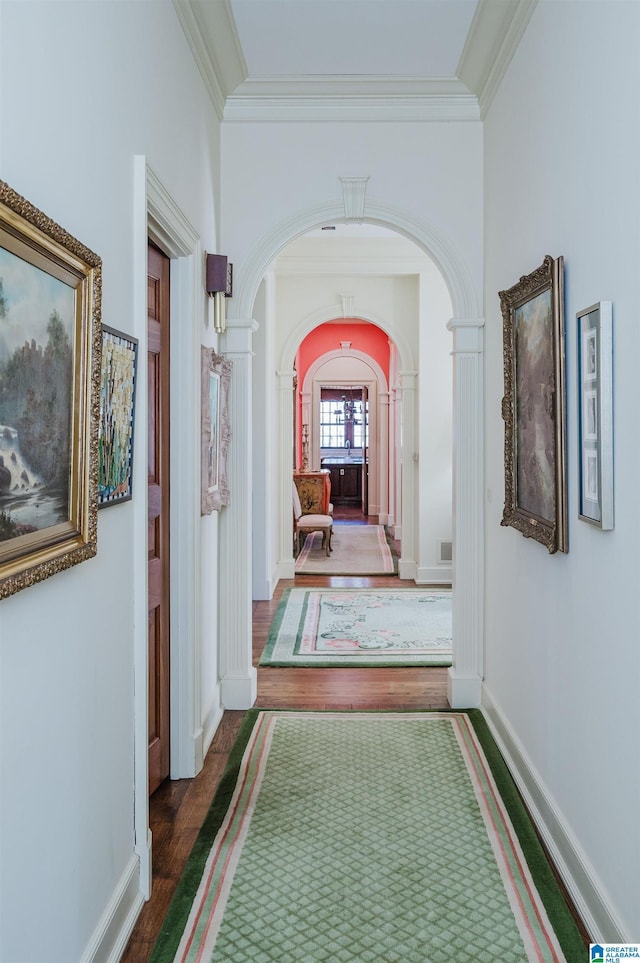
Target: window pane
<point x="331" y="425"/>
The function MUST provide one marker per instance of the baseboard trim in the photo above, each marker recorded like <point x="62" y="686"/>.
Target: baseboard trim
<point x="463" y="691"/>
<point x="210" y="728"/>
<point x="286" y="569"/>
<point x="116" y="924"/>
<point x="440" y="575"/>
<point x="239" y="691"/>
<point x="575" y="870"/>
<point x="407" y="569"/>
<point x="264" y="588"/>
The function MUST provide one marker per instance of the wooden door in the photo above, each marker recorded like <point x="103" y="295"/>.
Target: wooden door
<point x="158" y="490"/>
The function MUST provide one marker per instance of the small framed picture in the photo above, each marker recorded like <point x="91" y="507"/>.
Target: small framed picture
<point x="117" y="409"/>
<point x="595" y="414"/>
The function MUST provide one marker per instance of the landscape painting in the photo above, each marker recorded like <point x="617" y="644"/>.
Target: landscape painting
<point x="37" y="314"/>
<point x="50" y="295"/>
<point x="534" y="406"/>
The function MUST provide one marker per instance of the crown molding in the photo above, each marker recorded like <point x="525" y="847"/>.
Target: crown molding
<point x="496" y="30"/>
<point x="211" y="33"/>
<point x="362" y="98"/>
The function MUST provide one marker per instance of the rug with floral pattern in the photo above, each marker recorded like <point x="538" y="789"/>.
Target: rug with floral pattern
<point x="351" y="627"/>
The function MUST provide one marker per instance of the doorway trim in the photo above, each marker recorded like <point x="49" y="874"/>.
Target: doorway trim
<point x="159" y="218"/>
<point x="466" y="326"/>
<point x="310" y="395"/>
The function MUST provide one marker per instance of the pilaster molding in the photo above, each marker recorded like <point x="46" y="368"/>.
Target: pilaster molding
<point x="238" y="677"/>
<point x="407" y="381"/>
<point x="238" y="336"/>
<point x="465" y="675"/>
<point x="286" y="563"/>
<point x="468" y="335"/>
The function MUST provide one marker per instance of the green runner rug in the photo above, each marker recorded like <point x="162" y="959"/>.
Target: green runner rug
<point x="360" y="627"/>
<point x="367" y="837"/>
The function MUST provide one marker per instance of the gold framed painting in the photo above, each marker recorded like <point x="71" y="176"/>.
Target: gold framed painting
<point x="534" y="406"/>
<point x="50" y="300"/>
<point x="216" y="429"/>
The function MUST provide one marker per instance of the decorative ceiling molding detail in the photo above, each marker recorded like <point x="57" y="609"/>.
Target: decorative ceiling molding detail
<point x="496" y="30"/>
<point x="347" y="306"/>
<point x="211" y="33"/>
<point x="210" y="29"/>
<point x="351" y="99"/>
<point x="354" y="190"/>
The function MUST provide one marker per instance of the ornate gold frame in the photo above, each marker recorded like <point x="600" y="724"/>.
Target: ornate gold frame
<point x="38" y="241"/>
<point x="536" y="406"/>
<point x="216" y="430"/>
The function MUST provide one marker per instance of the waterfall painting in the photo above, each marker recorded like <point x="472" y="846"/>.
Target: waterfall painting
<point x="117" y="404"/>
<point x="49" y="371"/>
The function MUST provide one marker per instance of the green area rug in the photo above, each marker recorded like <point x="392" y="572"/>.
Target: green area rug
<point x="355" y="550"/>
<point x="360" y="627"/>
<point x="367" y="837"/>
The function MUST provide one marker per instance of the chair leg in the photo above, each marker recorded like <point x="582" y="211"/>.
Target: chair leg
<point x="326" y="537"/>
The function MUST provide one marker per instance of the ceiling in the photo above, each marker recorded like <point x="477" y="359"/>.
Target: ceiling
<point x="352" y="59"/>
<point x="393" y="38"/>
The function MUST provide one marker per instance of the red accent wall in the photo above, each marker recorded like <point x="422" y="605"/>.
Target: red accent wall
<point x="364" y="337"/>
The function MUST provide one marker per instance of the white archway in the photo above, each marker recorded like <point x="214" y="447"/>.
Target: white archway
<point x="378" y="392"/>
<point x="465" y="676"/>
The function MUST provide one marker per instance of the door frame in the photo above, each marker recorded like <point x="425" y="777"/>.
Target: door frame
<point x="378" y="389"/>
<point x="158" y="218"/>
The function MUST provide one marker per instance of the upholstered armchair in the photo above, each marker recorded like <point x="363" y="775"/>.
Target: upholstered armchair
<point x="314" y="491"/>
<point x="306" y="522"/>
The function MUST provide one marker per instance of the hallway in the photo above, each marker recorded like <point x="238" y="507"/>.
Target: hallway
<point x="178" y="808"/>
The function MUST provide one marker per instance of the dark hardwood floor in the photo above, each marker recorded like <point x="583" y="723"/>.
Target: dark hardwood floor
<point x="178" y="808"/>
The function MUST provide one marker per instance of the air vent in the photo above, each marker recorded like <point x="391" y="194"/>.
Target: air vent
<point x="445" y="552"/>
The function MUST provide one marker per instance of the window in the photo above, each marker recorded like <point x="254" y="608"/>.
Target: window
<point x="343" y="418"/>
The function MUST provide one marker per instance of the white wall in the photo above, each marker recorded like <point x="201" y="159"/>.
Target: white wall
<point x="562" y="632"/>
<point x="84" y="87"/>
<point x="272" y="174"/>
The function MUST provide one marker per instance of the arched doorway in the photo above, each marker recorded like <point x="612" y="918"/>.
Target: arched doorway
<point x="466" y="674"/>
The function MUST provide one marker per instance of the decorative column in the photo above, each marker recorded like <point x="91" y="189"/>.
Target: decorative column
<point x="238" y="686"/>
<point x="407" y="563"/>
<point x="465" y="675"/>
<point x="286" y="564"/>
